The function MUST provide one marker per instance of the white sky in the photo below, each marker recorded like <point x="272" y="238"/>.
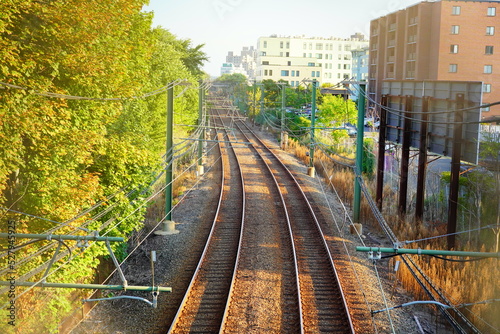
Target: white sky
<point x="228" y="25"/>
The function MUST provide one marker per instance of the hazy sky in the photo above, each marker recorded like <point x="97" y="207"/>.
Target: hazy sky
<point x="228" y="25"/>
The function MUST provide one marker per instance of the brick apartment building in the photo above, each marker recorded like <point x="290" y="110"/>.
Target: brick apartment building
<point x="452" y="40"/>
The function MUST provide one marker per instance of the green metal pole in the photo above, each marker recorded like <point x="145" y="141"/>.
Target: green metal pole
<point x="262" y="90"/>
<point x="283" y="108"/>
<point x="313" y="120"/>
<point x="59" y="237"/>
<point x="359" y="152"/>
<point x="87" y="286"/>
<point x="200" y="122"/>
<point x="254" y="111"/>
<point x="169" y="156"/>
<point x="426" y="252"/>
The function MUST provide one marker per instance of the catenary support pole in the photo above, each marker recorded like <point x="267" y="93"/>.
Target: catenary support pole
<point x="359" y="151"/>
<point x="202" y="132"/>
<point x="313" y="121"/>
<point x="169" y="155"/>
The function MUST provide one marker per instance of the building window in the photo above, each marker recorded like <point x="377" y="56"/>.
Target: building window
<point x="281" y="54"/>
<point x="453" y="68"/>
<point x="492" y="11"/>
<point x="490" y="31"/>
<point x="271" y="72"/>
<point x="319" y="46"/>
<point x="288" y="45"/>
<point x="289" y="63"/>
<point x="293" y="73"/>
<point x="297" y="74"/>
<point x="265" y="44"/>
<point x="455" y="30"/>
<point x="265" y="72"/>
<point x="287" y="54"/>
<point x="281" y="45"/>
<point x="310" y="46"/>
<point x="313" y="74"/>
<point x="265" y="62"/>
<point x="454" y="48"/>
<point x="311" y="64"/>
<point x="487" y="88"/>
<point x="319" y="56"/>
<point x="263" y="53"/>
<point x="285" y="73"/>
<point x="488" y="69"/>
<point x="347" y="47"/>
<point x="455" y="10"/>
<point x="488" y="50"/>
<point x="310" y="55"/>
<point x="317" y="74"/>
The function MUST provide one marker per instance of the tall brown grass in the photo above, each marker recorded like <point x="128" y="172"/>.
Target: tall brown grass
<point x="462" y="282"/>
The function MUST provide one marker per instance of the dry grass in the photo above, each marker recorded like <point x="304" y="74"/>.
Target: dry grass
<point x="464" y="282"/>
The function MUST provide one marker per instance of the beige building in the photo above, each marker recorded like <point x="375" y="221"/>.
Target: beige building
<point x="449" y="40"/>
<point x="293" y="59"/>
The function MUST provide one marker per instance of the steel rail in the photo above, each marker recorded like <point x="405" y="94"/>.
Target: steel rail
<point x="316" y="224"/>
<point x="176" y="323"/>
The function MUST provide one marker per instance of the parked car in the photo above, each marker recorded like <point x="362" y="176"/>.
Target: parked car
<point x="351" y="131"/>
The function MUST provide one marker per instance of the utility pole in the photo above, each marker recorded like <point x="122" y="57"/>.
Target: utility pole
<point x="310" y="170"/>
<point x="282" y="85"/>
<point x="168" y="225"/>
<point x="455" y="171"/>
<point x="202" y="132"/>
<point x="359" y="151"/>
<point x="169" y="154"/>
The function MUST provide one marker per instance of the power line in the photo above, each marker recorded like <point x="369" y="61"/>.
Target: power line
<point x="83" y="98"/>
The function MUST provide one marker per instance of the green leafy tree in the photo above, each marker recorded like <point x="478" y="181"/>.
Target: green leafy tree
<point x="62" y="156"/>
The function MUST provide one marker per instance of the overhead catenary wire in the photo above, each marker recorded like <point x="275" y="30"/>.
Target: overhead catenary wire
<point x="39" y="269"/>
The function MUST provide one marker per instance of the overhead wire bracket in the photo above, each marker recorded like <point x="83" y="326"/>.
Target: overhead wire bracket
<point x="82" y="241"/>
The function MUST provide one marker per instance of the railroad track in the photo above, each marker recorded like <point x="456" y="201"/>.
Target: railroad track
<point x="203" y="306"/>
<point x="324" y="308"/>
<point x="273" y="271"/>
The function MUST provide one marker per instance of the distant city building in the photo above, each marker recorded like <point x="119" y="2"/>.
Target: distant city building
<point x="229" y="68"/>
<point x="451" y="40"/>
<point x="243" y="63"/>
<point x="294" y="59"/>
<point x="360" y="59"/>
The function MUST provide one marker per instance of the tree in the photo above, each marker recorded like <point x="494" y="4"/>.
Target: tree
<point x="336" y="111"/>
